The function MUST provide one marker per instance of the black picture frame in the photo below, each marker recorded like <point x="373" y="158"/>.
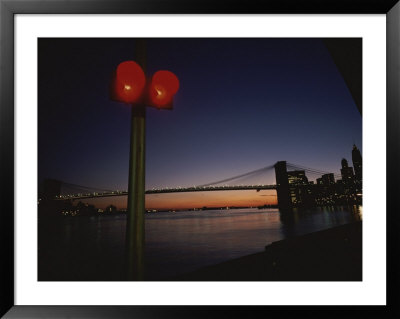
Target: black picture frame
<point x="8" y="10"/>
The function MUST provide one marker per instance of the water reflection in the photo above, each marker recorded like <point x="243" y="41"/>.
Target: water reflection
<point x="302" y="221"/>
<point x="93" y="248"/>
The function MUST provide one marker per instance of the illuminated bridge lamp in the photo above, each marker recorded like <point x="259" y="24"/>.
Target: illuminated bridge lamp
<point x="129" y="82"/>
<point x="162" y="88"/>
<point x="129" y="85"/>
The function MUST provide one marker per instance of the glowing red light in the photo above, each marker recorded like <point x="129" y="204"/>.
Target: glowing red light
<point x="129" y="82"/>
<point x="163" y="87"/>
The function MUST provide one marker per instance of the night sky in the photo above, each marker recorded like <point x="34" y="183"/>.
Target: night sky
<point x="243" y="104"/>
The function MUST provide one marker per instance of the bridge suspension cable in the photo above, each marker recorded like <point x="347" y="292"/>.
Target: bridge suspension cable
<point x="75" y="186"/>
<point x="311" y="170"/>
<point x="257" y="171"/>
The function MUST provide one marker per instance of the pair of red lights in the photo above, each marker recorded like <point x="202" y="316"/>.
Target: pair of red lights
<point x="130" y="86"/>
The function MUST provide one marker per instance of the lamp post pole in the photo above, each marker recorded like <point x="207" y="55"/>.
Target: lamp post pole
<point x="135" y="227"/>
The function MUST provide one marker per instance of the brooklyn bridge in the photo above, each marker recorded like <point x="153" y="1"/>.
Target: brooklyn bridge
<point x="294" y="184"/>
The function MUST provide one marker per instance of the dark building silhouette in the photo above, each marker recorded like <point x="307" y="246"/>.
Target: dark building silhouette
<point x="347" y="172"/>
<point x="282" y="185"/>
<point x="111" y="209"/>
<point x="300" y="189"/>
<point x="357" y="162"/>
<point x="328" y="179"/>
<point x="297" y="178"/>
<point x="295" y="190"/>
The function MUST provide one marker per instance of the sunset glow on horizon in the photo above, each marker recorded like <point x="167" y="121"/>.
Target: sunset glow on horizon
<point x="248" y="198"/>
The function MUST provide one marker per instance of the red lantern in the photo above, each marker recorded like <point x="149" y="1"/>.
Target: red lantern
<point x="129" y="82"/>
<point x="163" y="87"/>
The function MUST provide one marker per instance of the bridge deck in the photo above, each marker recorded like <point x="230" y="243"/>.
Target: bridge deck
<point x="170" y="190"/>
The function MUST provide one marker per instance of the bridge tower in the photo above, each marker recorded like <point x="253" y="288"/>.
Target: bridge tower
<point x="282" y="186"/>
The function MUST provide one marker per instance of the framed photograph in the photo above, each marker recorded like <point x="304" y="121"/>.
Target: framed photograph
<point x="173" y="154"/>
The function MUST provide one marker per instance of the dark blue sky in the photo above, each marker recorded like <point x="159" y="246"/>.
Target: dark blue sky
<point x="242" y="104"/>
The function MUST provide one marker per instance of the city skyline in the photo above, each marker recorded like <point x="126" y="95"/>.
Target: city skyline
<point x="243" y="104"/>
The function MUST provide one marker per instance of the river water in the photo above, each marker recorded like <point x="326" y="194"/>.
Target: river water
<point x="79" y="248"/>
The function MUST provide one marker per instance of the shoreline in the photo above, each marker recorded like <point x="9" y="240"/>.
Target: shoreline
<point x="334" y="254"/>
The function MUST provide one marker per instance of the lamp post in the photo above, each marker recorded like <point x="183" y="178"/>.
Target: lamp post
<point x="129" y="85"/>
<point x="136" y="182"/>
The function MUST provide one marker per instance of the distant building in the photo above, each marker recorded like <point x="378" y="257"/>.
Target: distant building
<point x="347" y="172"/>
<point x="325" y="191"/>
<point x="299" y="189"/>
<point x="297" y="178"/>
<point x="282" y="185"/>
<point x="357" y="162"/>
<point x="111" y="209"/>
<point x="328" y="179"/>
<point x="295" y="190"/>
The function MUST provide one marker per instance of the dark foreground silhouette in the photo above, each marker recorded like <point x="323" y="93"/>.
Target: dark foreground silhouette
<point x="329" y="255"/>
